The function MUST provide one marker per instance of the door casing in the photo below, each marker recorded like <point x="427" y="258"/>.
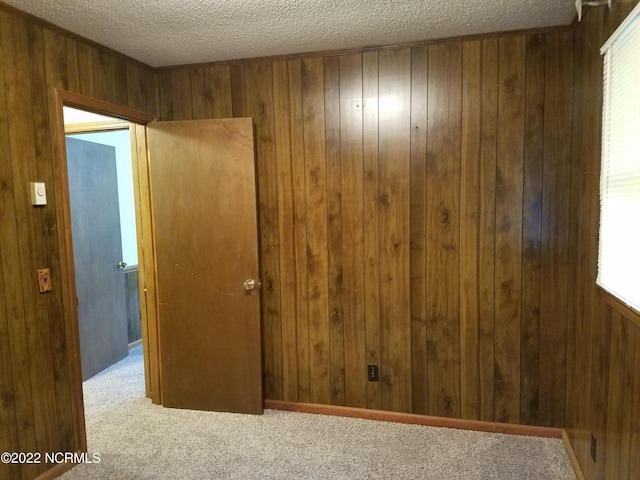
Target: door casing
<point x="146" y="248"/>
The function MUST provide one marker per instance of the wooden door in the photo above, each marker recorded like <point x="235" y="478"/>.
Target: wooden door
<point x="205" y="222"/>
<point x="97" y="250"/>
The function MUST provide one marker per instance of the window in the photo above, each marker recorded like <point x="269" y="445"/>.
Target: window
<point x="619" y="248"/>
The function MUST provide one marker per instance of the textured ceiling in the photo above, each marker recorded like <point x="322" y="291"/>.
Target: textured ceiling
<point x="174" y="32"/>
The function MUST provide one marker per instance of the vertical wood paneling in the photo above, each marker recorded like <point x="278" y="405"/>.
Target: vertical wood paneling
<point x="72" y="65"/>
<point x="48" y="59"/>
<point x="602" y="387"/>
<point x="443" y="228"/>
<point x="418" y="192"/>
<point x="104" y="73"/>
<point x="300" y="229"/>
<point x="165" y="97"/>
<point x="509" y="189"/>
<point x="634" y="426"/>
<point x="60" y="69"/>
<point x="217" y="93"/>
<point x="9" y="278"/>
<point x="8" y="434"/>
<point x="259" y="105"/>
<point x="599" y="343"/>
<point x="620" y="395"/>
<point x="317" y="255"/>
<point x="181" y="95"/>
<point x="531" y="228"/>
<point x="454" y="320"/>
<point x="394" y="165"/>
<point x="470" y="195"/>
<point x="351" y="148"/>
<point x="579" y="324"/>
<point x="198" y="100"/>
<point x="286" y="218"/>
<point x="362" y="160"/>
<point x="34" y="428"/>
<point x="141" y="88"/>
<point x="237" y="90"/>
<point x="599" y="381"/>
<point x="488" y="158"/>
<point x="370" y="151"/>
<point x="85" y="69"/>
<point x="334" y="227"/>
<point x="37" y="411"/>
<point x="555" y="217"/>
<point x="585" y="182"/>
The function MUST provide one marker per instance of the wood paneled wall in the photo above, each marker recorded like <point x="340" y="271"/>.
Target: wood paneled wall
<point x="432" y="210"/>
<point x="36" y="409"/>
<point x="414" y="214"/>
<point x="603" y="368"/>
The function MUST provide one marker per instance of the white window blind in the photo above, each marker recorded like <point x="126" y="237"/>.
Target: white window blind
<point x="619" y="247"/>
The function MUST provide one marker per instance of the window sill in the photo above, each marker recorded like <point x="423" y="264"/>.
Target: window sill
<point x="622" y="308"/>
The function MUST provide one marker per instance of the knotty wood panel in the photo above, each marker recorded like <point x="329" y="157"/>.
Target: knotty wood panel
<point x="401" y="196"/>
<point x="260" y="106"/>
<point x="317" y="236"/>
<point x="443" y="228"/>
<point x="37" y="411"/>
<point x="394" y="162"/>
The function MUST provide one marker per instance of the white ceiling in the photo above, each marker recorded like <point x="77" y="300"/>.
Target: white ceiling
<point x="175" y="32"/>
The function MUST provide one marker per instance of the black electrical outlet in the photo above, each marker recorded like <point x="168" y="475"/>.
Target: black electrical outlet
<point x="372" y="373"/>
<point x="593" y="448"/>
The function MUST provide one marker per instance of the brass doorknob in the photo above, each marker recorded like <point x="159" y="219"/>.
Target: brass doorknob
<point x="249" y="285"/>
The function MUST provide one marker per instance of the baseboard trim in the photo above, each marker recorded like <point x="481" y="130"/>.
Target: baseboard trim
<point x="415" y="419"/>
<point x="55" y="471"/>
<point x="572" y="456"/>
<point x="134" y="344"/>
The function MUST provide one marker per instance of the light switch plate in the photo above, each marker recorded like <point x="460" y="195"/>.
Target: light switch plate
<point x="38" y="193"/>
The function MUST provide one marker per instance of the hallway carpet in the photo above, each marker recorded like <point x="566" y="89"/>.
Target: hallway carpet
<point x="140" y="441"/>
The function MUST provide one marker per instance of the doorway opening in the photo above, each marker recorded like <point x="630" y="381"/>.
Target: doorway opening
<point x="101" y="193"/>
<point x="134" y="122"/>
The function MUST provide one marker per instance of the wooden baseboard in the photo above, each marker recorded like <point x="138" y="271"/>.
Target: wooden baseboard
<point x="133" y="345"/>
<point x="572" y="456"/>
<point x="55" y="471"/>
<point x="410" y="418"/>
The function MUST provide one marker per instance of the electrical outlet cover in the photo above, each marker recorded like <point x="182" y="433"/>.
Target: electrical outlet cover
<point x="44" y="280"/>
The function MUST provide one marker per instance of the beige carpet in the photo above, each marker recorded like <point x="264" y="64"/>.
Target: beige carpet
<point x="138" y="440"/>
